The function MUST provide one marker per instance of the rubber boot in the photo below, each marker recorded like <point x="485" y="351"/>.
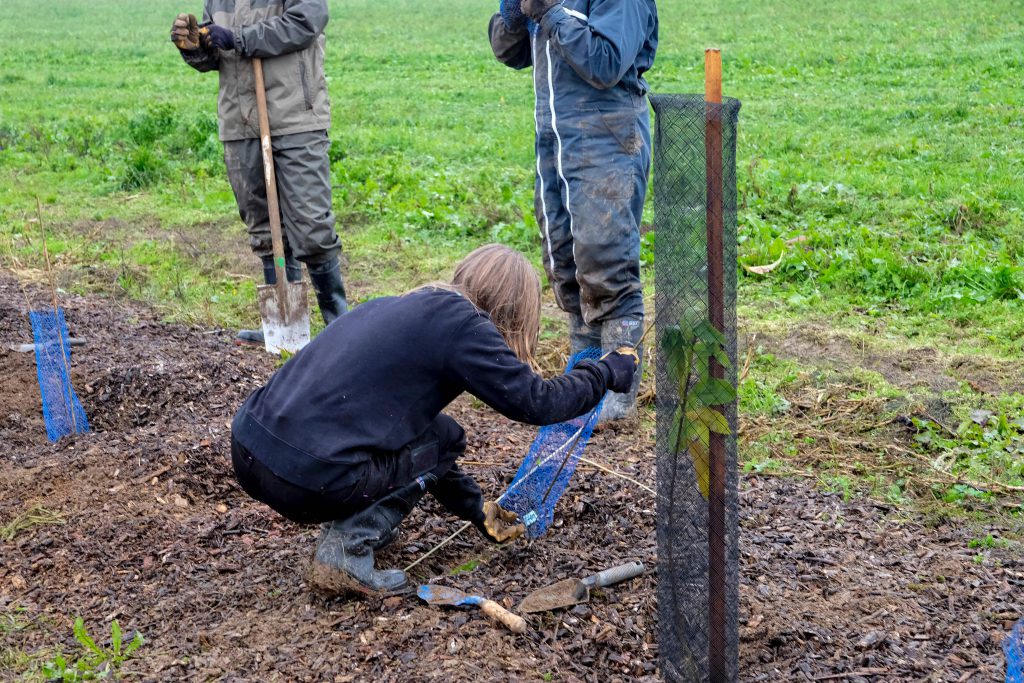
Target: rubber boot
<point x="343" y="562"/>
<point x="581" y="335"/>
<point x="615" y="333"/>
<point x="330" y="290"/>
<point x="293" y="271"/>
<point x="386" y="539"/>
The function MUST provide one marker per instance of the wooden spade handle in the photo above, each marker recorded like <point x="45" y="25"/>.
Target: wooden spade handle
<point x="276" y="238"/>
<point x="513" y="622"/>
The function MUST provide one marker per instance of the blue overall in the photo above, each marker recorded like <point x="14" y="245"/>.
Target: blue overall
<point x="593" y="146"/>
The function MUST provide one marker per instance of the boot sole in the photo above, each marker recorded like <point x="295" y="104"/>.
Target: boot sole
<point x="331" y="582"/>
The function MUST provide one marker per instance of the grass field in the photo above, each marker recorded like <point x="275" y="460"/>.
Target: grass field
<point x="881" y="154"/>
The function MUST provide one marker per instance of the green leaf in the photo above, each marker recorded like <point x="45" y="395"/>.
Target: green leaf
<point x="677" y="355"/>
<point x="695" y="429"/>
<point x="115" y="637"/>
<point x="712" y="419"/>
<point x="701" y="465"/>
<point x="675" y="429"/>
<point x="701" y="362"/>
<point x="137" y="642"/>
<point x="707" y="333"/>
<point x="713" y="391"/>
<point x="85" y="639"/>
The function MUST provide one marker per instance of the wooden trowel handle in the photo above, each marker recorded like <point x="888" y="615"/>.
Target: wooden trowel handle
<point x="615" y="574"/>
<point x="513" y="622"/>
<point x="268" y="175"/>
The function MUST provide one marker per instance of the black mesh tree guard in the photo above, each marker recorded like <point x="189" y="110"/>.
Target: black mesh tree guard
<point x="695" y="276"/>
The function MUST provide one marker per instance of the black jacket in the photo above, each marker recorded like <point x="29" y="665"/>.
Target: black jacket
<point x="376" y="378"/>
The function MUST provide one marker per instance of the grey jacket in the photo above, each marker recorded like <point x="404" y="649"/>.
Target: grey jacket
<point x="288" y="35"/>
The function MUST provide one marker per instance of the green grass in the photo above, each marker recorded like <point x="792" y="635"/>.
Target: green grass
<point x="884" y="136"/>
<point x="880" y="153"/>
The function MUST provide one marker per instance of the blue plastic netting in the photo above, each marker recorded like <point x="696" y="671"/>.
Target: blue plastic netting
<point x="531" y="494"/>
<point x="61" y="408"/>
<point x="1013" y="646"/>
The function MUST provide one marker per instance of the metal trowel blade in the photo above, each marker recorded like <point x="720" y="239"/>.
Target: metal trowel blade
<point x="565" y="593"/>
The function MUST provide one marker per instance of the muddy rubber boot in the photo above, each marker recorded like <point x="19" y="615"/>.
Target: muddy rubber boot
<point x="343" y="562"/>
<point x="615" y="333"/>
<point x="293" y="271"/>
<point x="330" y="290"/>
<point x="582" y="336"/>
<point x="386" y="539"/>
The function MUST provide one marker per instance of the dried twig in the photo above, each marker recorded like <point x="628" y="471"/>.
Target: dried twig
<point x="620" y="475"/>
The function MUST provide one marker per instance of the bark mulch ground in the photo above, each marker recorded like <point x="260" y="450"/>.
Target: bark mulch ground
<point x="146" y="525"/>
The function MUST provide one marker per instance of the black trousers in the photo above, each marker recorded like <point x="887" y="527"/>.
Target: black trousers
<point x="430" y="458"/>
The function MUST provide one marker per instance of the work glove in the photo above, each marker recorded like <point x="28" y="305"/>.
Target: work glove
<point x="512" y="15"/>
<point x="185" y="32"/>
<point x="216" y="37"/>
<point x="535" y="9"/>
<point x="622" y="363"/>
<point x="500" y="525"/>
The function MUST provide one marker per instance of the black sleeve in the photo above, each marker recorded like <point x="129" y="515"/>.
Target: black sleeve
<point x="460" y="495"/>
<point x="512" y="48"/>
<point x="201" y="60"/>
<point x="481" y="362"/>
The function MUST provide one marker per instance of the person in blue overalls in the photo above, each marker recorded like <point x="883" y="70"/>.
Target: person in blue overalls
<point x="593" y="148"/>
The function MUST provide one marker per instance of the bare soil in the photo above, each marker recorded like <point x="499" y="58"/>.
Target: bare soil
<point x="157" y="534"/>
<point x="923" y="366"/>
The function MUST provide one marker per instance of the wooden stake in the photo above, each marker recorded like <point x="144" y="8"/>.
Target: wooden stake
<point x="717" y="638"/>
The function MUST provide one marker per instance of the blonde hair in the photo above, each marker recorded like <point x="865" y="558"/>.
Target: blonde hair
<point x="502" y="283"/>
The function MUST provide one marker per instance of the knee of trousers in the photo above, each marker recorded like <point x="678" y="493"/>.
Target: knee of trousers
<point x="451" y="442"/>
<point x="432" y="453"/>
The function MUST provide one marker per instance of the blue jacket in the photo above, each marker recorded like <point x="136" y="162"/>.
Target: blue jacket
<point x="592" y="51"/>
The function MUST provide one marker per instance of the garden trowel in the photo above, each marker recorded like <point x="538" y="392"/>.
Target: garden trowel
<point x="435" y="594"/>
<point x="284" y="306"/>
<point x="570" y="592"/>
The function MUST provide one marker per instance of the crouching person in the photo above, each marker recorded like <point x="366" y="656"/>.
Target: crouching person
<point x="349" y="433"/>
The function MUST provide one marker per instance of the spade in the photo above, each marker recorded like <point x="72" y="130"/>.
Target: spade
<point x="573" y="591"/>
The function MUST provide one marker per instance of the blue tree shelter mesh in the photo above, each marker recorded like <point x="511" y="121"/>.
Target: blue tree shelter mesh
<point x="1013" y="646"/>
<point x="61" y="408"/>
<point x="542" y="478"/>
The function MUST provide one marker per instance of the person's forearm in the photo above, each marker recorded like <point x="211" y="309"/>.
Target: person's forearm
<point x="201" y="60"/>
<point x="600" y="48"/>
<point x="294" y="30"/>
<point x="512" y="48"/>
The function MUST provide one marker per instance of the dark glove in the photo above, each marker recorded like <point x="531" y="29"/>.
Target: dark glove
<point x="512" y="15"/>
<point x="216" y="37"/>
<point x="622" y="363"/>
<point x="499" y="525"/>
<point x="185" y="32"/>
<point x="535" y="9"/>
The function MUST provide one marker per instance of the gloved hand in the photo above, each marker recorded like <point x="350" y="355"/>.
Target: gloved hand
<point x="216" y="37"/>
<point x="512" y="15"/>
<point x="535" y="9"/>
<point x="185" y="32"/>
<point x="499" y="525"/>
<point x="622" y="362"/>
